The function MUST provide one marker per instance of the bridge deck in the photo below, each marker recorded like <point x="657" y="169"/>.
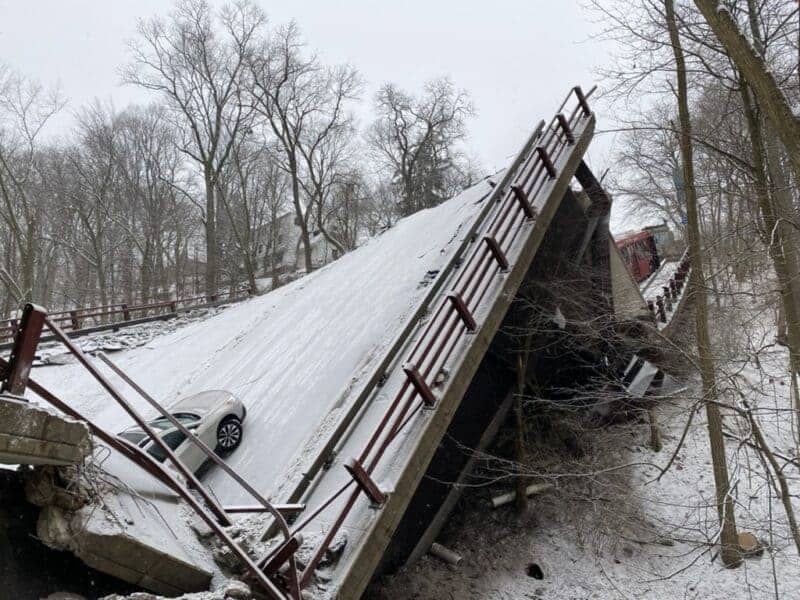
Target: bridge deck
<point x="410" y="444"/>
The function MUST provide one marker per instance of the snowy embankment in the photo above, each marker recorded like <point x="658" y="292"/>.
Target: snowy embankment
<point x="290" y="354"/>
<point x="610" y="529"/>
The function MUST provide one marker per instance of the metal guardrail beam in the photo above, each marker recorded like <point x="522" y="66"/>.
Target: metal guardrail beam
<point x="378" y="373"/>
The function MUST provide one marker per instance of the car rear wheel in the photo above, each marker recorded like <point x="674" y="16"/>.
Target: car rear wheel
<point x="229" y="434"/>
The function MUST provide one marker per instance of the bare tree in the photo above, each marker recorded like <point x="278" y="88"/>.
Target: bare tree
<point x="304" y="106"/>
<point x="415" y="140"/>
<point x="25" y="108"/>
<point x="197" y="61"/>
<point x="728" y="539"/>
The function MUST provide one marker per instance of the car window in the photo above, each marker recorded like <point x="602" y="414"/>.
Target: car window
<point x="133" y="435"/>
<point x="173" y="439"/>
<point x="186" y="418"/>
<point x="162" y="423"/>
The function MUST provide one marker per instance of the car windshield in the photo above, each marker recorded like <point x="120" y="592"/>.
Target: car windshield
<point x="162" y="423"/>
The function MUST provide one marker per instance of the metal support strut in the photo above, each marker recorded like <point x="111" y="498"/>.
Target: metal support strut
<point x="419" y="384"/>
<point x="22" y="354"/>
<point x="365" y="482"/>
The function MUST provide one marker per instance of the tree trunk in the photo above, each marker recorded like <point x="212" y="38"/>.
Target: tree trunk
<point x="519" y="439"/>
<point x="754" y="70"/>
<point x="728" y="538"/>
<point x="302" y="223"/>
<point x="779" y="215"/>
<point x="211" y="235"/>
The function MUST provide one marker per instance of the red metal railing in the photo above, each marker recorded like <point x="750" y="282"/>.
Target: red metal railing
<point x="456" y="313"/>
<point x="85" y="318"/>
<point x="660" y="304"/>
<point x="14" y="378"/>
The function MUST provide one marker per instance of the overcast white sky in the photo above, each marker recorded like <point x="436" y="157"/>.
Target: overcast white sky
<point x="517" y="58"/>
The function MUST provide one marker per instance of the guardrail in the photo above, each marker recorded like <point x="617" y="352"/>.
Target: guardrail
<point x="15" y="379"/>
<point x="79" y="319"/>
<point x="661" y="304"/>
<point x="510" y="210"/>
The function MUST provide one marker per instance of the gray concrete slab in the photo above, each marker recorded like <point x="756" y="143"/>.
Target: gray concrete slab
<point x="33" y="435"/>
<point x="144" y="541"/>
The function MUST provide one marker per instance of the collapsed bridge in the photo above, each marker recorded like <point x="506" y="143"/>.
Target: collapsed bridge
<point x="416" y="330"/>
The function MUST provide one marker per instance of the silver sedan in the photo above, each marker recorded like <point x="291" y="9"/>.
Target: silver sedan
<point x="214" y="416"/>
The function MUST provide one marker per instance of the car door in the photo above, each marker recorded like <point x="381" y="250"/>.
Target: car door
<point x="191" y="453"/>
<point x="173" y="438"/>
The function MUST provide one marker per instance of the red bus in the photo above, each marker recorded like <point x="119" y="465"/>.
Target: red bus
<point x="639" y="253"/>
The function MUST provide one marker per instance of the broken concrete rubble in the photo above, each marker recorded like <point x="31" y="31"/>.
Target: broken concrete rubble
<point x="137" y="534"/>
<point x="34" y="435"/>
<point x="139" y="540"/>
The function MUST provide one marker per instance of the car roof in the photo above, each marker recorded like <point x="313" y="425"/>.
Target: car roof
<point x="202" y="401"/>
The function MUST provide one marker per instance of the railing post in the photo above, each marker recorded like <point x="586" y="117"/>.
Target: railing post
<point x="76" y="323"/>
<point x="522" y="198"/>
<point x="548" y="164"/>
<point x="667" y="297"/>
<point x="662" y="316"/>
<point x="562" y="121"/>
<point x="651" y="307"/>
<point x="26" y="340"/>
<point x="126" y="314"/>
<point x="365" y="482"/>
<point x="461" y="308"/>
<point x="496" y="251"/>
<point x="422" y="388"/>
<point x="582" y="100"/>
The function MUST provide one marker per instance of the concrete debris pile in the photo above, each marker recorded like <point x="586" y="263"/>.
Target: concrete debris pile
<point x="52" y="353"/>
<point x="137" y="532"/>
<point x="115" y="529"/>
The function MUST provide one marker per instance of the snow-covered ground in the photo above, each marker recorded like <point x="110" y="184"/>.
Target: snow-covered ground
<point x="290" y="355"/>
<point x="612" y="529"/>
